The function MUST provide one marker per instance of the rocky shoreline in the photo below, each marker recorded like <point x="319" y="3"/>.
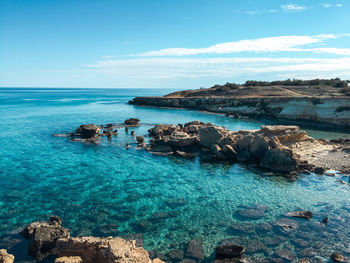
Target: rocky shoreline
<point x="276" y="149"/>
<point x="312" y="111"/>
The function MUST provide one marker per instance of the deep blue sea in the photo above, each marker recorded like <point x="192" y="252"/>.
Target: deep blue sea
<point x="108" y="190"/>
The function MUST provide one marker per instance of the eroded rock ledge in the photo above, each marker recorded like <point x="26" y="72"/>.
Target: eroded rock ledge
<point x="280" y="149"/>
<point x="312" y="110"/>
<point x="50" y="238"/>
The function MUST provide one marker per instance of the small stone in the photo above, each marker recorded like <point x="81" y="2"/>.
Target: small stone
<point x="325" y="220"/>
<point x="337" y="257"/>
<point x="68" y="260"/>
<point x="301" y="214"/>
<point x="6" y="257"/>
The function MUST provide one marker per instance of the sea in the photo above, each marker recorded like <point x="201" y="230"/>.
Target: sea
<point x="162" y="201"/>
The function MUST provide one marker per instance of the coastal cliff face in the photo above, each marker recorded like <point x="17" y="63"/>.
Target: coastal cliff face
<point x="329" y="111"/>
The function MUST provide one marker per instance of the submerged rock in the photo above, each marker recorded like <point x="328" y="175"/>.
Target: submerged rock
<point x="338" y="257"/>
<point x="195" y="249"/>
<point x="251" y="213"/>
<point x="302" y="214"/>
<point x="286" y="225"/>
<point x="285" y="254"/>
<point x="229" y="251"/>
<point x="6" y="257"/>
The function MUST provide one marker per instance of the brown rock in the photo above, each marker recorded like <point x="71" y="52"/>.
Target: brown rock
<point x="43" y="237"/>
<point x="132" y="122"/>
<point x="88" y="131"/>
<point x="338" y="257"/>
<point x="103" y="250"/>
<point x="6" y="257"/>
<point x="209" y="135"/>
<point x="258" y="147"/>
<point x="69" y="260"/>
<point x="279" y="160"/>
<point x="302" y="214"/>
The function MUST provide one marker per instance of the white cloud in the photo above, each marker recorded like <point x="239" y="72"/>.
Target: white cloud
<point x="326" y="5"/>
<point x="268" y="44"/>
<point x="338" y="5"/>
<point x="292" y="7"/>
<point x="193" y="68"/>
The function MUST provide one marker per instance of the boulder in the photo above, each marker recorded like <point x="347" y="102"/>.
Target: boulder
<point x="319" y="170"/>
<point x="182" y="139"/>
<point x="338" y="257"/>
<point x="209" y="135"/>
<point x="103" y="250"/>
<point x="243" y="143"/>
<point x="161" y="145"/>
<point x="69" y="260"/>
<point x="229" y="151"/>
<point x="229" y="251"/>
<point x="132" y="122"/>
<point x="194" y="249"/>
<point x="243" y="156"/>
<point x="140" y="139"/>
<point x="218" y="152"/>
<point x="6" y="257"/>
<point x="43" y="237"/>
<point x="302" y="214"/>
<point x="280" y="160"/>
<point x="160" y="130"/>
<point x="88" y="131"/>
<point x="258" y="147"/>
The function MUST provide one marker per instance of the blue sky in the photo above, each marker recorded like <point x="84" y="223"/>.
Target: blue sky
<point x="170" y="44"/>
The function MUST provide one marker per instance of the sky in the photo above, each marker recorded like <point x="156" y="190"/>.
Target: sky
<point x="175" y="44"/>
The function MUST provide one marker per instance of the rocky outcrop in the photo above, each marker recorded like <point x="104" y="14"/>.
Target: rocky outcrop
<point x="43" y="237"/>
<point x="87" y="131"/>
<point x="132" y="122"/>
<point x="6" y="257"/>
<point x="50" y="238"/>
<point x="69" y="260"/>
<point x="301" y="214"/>
<point x="334" y="111"/>
<point x="261" y="147"/>
<point x="280" y="149"/>
<point x="103" y="250"/>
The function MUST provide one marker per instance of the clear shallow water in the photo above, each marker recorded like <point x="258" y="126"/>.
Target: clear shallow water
<point x="107" y="190"/>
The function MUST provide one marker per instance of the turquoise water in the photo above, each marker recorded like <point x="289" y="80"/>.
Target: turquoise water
<point x="107" y="190"/>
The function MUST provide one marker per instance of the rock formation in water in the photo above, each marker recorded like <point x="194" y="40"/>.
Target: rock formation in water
<point x="316" y="102"/>
<point x="281" y="149"/>
<point x="50" y="238"/>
